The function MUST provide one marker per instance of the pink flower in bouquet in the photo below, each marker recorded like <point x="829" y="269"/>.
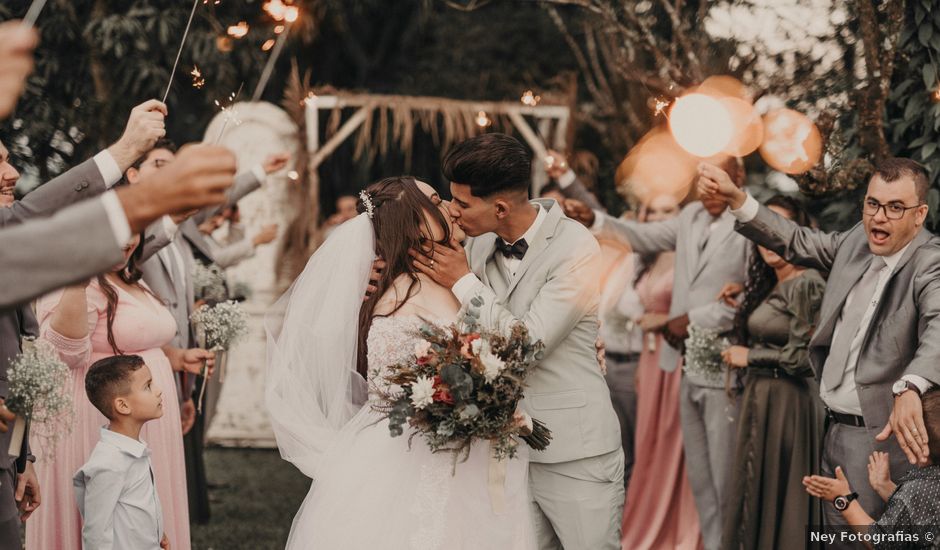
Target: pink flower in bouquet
<point x="467" y="347"/>
<point x="442" y="392"/>
<point x="423" y="351"/>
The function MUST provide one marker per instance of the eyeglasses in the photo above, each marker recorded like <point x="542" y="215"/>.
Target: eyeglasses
<point x="893" y="210"/>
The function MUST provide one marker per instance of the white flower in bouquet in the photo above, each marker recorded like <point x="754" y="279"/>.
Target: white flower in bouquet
<point x="492" y="364"/>
<point x="477" y="346"/>
<point x="422" y="348"/>
<point x="703" y="350"/>
<point x="221" y="325"/>
<point x="39" y="385"/>
<point x="422" y="392"/>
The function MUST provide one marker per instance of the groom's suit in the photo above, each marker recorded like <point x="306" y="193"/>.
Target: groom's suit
<point x="577" y="482"/>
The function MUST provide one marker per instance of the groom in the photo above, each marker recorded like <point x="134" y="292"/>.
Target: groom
<point x="531" y="264"/>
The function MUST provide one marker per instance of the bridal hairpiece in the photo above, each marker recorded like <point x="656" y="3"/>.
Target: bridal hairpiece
<point x="367" y="201"/>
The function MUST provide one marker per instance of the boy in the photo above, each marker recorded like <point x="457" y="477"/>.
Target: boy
<point x="913" y="506"/>
<point x="115" y="489"/>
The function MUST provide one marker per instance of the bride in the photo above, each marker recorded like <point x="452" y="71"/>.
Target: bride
<point x="325" y="348"/>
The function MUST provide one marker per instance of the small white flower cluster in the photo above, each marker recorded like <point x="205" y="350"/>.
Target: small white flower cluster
<point x="703" y="350"/>
<point x="221" y="325"/>
<point x="422" y="392"/>
<point x="209" y="282"/>
<point x="367" y="202"/>
<point x="39" y="384"/>
<point x="492" y="365"/>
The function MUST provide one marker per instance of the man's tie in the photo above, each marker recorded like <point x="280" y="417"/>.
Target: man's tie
<point x="864" y="291"/>
<point x="516" y="250"/>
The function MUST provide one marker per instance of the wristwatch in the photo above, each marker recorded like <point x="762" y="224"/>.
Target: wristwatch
<point x="841" y="503"/>
<point x="902" y="386"/>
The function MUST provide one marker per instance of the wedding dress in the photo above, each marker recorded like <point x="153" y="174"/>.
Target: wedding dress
<point x="370" y="490"/>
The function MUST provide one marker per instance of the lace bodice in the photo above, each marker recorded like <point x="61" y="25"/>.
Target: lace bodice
<point x="391" y="340"/>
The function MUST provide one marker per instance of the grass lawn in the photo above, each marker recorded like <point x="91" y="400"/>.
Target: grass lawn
<point x="254" y="503"/>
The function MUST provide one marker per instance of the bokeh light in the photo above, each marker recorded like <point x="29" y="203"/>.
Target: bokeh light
<point x="701" y="124"/>
<point x="792" y="143"/>
<point x="657" y="165"/>
<point x="748" y="128"/>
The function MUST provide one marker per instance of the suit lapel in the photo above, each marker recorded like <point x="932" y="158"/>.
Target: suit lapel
<point x="848" y="277"/>
<point x="716" y="239"/>
<point x="541" y="241"/>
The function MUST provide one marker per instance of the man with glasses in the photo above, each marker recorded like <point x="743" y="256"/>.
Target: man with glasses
<point x="876" y="347"/>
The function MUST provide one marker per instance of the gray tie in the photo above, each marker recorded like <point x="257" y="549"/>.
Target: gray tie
<point x="864" y="290"/>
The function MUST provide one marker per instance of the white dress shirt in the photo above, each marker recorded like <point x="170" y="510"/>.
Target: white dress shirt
<point x="464" y="288"/>
<point x="111" y="174"/>
<point x="844" y="398"/>
<point x="117" y="497"/>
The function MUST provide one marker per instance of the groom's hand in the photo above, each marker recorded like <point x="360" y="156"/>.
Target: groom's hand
<point x="444" y="264"/>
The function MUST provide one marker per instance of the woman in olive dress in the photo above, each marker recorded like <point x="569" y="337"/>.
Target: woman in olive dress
<point x="781" y="418"/>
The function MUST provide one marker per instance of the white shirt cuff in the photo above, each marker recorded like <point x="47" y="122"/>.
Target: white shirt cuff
<point x="170" y="227"/>
<point x="110" y="171"/>
<point x="567" y="179"/>
<point x="117" y="218"/>
<point x="748" y="210"/>
<point x="922" y="383"/>
<point x="259" y="173"/>
<point x="598" y="221"/>
<point x="464" y="288"/>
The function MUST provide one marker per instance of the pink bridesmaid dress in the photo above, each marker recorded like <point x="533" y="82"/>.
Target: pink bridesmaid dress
<point x="141" y="327"/>
<point x="659" y="511"/>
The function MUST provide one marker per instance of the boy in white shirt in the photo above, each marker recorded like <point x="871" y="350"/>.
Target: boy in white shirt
<point x="115" y="489"/>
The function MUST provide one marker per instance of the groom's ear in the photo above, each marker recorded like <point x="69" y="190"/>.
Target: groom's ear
<point x="502" y="207"/>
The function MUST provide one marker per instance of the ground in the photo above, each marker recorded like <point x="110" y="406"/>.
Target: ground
<point x="254" y="498"/>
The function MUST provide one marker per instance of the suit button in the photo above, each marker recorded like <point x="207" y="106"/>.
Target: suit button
<point x="78" y="187"/>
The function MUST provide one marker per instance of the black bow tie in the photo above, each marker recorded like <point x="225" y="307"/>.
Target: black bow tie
<point x="516" y="250"/>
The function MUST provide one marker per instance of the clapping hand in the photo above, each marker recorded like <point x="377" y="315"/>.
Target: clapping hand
<point x="907" y="424"/>
<point x="27" y="492"/>
<point x="879" y="474"/>
<point x="827" y="488"/>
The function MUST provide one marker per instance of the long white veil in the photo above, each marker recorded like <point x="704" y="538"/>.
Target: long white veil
<point x="312" y="388"/>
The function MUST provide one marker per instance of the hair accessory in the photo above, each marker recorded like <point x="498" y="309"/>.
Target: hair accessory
<point x="367" y="201"/>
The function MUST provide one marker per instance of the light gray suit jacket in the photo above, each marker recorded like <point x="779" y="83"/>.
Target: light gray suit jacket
<point x="904" y="335"/>
<point x="45" y="254"/>
<point x="178" y="295"/>
<point x="555" y="293"/>
<point x="699" y="274"/>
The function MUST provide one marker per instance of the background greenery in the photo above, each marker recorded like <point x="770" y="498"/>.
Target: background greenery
<point x="98" y="58"/>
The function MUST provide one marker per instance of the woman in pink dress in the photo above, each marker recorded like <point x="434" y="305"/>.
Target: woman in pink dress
<point x="113" y="314"/>
<point x="659" y="511"/>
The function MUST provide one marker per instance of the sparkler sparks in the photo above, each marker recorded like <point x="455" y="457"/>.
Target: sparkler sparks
<point x="660" y="106"/>
<point x="198" y="80"/>
<point x="229" y="111"/>
<point x="239" y="30"/>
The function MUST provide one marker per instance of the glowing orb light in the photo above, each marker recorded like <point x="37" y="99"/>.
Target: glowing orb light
<point x="657" y="165"/>
<point x="792" y="143"/>
<point x="701" y="124"/>
<point x="724" y="86"/>
<point x="748" y="127"/>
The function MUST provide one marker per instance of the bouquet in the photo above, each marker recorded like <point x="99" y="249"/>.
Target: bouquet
<point x="463" y="384"/>
<point x="39" y="393"/>
<point x="703" y="350"/>
<point x="209" y="282"/>
<point x="218" y="327"/>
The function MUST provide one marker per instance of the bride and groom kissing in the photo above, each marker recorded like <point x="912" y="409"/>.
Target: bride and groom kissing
<point x="525" y="262"/>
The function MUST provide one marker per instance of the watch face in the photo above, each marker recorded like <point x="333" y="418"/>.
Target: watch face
<point x="899" y="386"/>
<point x="841" y="503"/>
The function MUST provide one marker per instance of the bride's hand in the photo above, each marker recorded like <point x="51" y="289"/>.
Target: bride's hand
<point x="445" y="265"/>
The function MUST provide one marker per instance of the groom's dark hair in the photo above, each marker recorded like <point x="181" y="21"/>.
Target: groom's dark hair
<point x="489" y="164"/>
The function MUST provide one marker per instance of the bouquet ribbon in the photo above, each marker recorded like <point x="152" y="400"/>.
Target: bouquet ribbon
<point x="496" y="483"/>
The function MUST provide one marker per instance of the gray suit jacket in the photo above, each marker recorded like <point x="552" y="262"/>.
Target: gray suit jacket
<point x="904" y="335"/>
<point x="699" y="274"/>
<point x="555" y="293"/>
<point x="45" y="254"/>
<point x="178" y="295"/>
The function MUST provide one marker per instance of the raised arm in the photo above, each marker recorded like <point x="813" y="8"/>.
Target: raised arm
<point x="67" y="318"/>
<point x="643" y="238"/>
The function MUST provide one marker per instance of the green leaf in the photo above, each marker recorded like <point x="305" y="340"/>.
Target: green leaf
<point x="919" y="141"/>
<point x="928" y="150"/>
<point x="924" y="33"/>
<point x="930" y="75"/>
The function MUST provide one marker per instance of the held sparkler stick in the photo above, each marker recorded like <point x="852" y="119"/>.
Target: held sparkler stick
<point x="29" y="20"/>
<point x="180" y="51"/>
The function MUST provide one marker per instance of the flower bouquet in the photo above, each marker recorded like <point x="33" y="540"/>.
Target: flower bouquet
<point x="703" y="350"/>
<point x="39" y="393"/>
<point x="463" y="384"/>
<point x="209" y="282"/>
<point x="218" y="327"/>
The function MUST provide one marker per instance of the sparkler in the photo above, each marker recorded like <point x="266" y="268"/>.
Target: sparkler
<point x="29" y="20"/>
<point x="660" y="106"/>
<point x="180" y="51"/>
<point x="198" y="80"/>
<point x="230" y="112"/>
<point x="239" y="30"/>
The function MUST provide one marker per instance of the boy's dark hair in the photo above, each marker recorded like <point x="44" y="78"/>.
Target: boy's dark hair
<point x="108" y="379"/>
<point x="931" y="406"/>
<point x="162" y="143"/>
<point x="489" y="164"/>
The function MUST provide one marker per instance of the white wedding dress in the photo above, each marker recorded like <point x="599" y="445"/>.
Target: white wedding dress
<point x="370" y="491"/>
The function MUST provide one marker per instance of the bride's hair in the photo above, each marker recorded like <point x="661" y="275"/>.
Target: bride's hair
<point x="399" y="213"/>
